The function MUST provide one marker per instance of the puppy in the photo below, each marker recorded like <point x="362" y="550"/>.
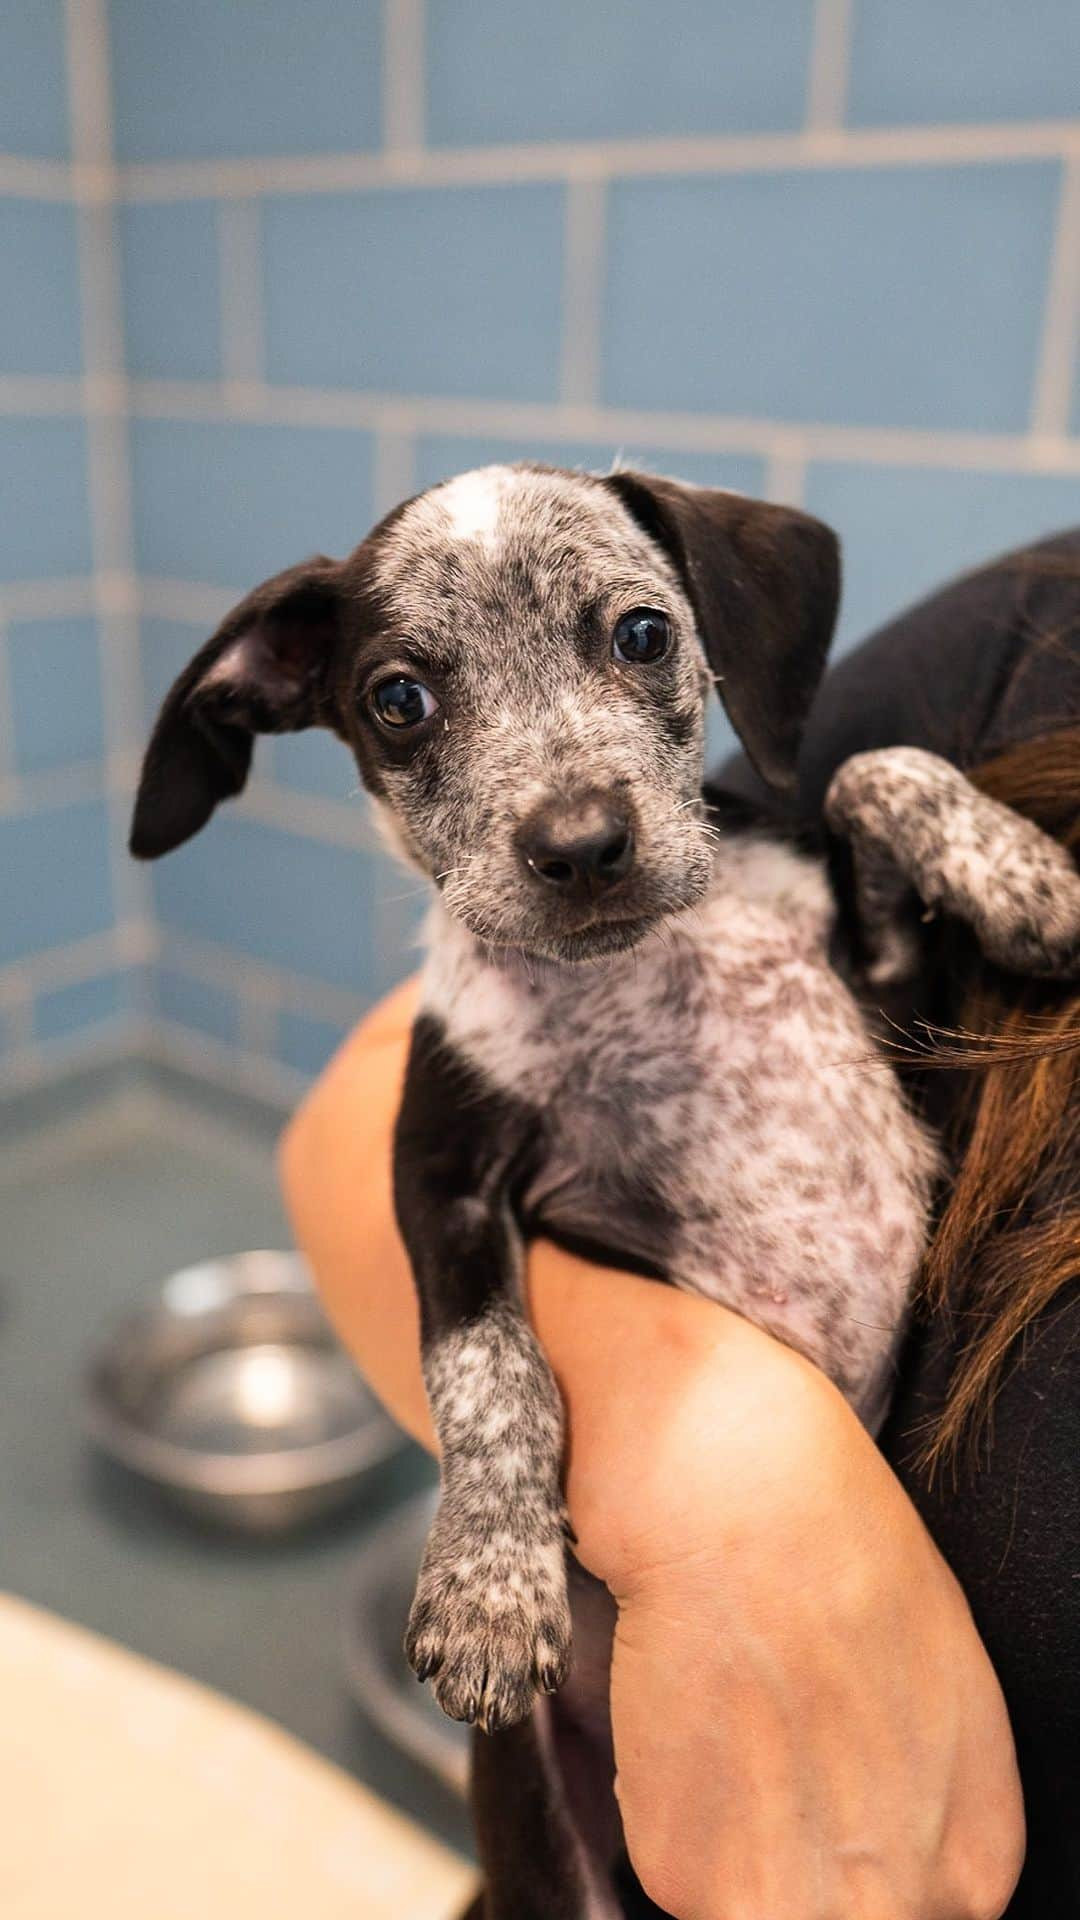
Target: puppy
<point x="631" y="1036"/>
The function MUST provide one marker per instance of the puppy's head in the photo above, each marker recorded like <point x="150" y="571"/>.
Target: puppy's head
<point x="518" y="660"/>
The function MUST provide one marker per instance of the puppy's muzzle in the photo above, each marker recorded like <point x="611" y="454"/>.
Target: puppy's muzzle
<point x="578" y="850"/>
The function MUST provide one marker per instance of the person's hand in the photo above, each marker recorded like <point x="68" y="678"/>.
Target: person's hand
<point x="806" y="1724"/>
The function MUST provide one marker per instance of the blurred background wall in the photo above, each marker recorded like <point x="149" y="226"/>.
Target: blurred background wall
<point x="269" y="265"/>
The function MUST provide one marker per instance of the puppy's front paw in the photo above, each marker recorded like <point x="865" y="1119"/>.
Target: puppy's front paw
<point x="1030" y="922"/>
<point x="490" y="1624"/>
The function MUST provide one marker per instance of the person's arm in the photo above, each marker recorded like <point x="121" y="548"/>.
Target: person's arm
<point x="805" y="1720"/>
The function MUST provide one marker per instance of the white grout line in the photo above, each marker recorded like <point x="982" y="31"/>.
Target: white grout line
<point x="240" y="270"/>
<point x="403" y="87"/>
<point x="830" y="62"/>
<point x="46" y="599"/>
<point x="259" y="1004"/>
<point x="552" y="422"/>
<point x="584" y="263"/>
<point x="33" y="393"/>
<point x="785" y="476"/>
<point x="835" y="147"/>
<point x="41" y="1062"/>
<point x="87" y="43"/>
<point x="52" y="788"/>
<point x="395" y="469"/>
<point x="188" y="602"/>
<point x="227" y="1067"/>
<point x="1061" y="328"/>
<point x="277" y="986"/>
<point x="28" y="179"/>
<point x="130" y="944"/>
<point x="343" y="823"/>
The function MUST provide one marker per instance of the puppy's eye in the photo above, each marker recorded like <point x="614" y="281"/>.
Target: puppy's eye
<point x="641" y="637"/>
<point x="401" y="702"/>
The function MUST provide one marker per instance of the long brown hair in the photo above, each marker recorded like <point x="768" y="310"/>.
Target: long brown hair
<point x="1008" y="1236"/>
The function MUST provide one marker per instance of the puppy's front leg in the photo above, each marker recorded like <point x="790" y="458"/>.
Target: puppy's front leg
<point x="915" y="821"/>
<point x="490" y="1623"/>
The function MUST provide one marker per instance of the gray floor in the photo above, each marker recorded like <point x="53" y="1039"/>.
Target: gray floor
<point x="91" y="1212"/>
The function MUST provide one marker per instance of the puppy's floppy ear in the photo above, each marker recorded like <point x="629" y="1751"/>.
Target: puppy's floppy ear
<point x="764" y="583"/>
<point x="264" y="671"/>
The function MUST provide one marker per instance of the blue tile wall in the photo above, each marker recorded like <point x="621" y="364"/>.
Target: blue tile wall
<point x="166" y="648"/>
<point x="189" y="1002"/>
<point x="305" y="1043"/>
<point x="939" y="60"/>
<point x="57" y="879"/>
<point x="54" y="679"/>
<point x="884" y="298"/>
<point x="60" y="1012"/>
<point x="295" y="902"/>
<point x="171" y="287"/>
<point x="450" y="292"/>
<point x="39" y="314"/>
<point x="314" y="762"/>
<point x="880" y="333"/>
<point x="620" y="69"/>
<point x="33" y="80"/>
<point x="906" y="529"/>
<point x="229" y="504"/>
<point x="207" y="79"/>
<point x="45" y="521"/>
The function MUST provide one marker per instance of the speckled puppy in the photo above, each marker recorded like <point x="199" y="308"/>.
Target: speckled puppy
<point x="631" y="1035"/>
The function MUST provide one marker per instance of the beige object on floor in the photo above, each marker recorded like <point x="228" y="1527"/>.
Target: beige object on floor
<point x="130" y="1793"/>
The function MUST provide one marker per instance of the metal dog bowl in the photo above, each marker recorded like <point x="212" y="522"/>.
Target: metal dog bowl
<point x="379" y="1676"/>
<point x="230" y="1392"/>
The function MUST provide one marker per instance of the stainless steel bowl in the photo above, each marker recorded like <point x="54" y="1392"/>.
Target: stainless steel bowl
<point x="230" y="1392"/>
<point x="379" y="1676"/>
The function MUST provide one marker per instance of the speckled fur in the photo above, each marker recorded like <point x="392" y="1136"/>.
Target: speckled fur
<point x="712" y="1105"/>
<point x="514" y="629"/>
<point x="491" y="1621"/>
<point x="915" y="822"/>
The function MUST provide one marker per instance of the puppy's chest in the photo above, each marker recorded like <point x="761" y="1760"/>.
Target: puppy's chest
<point x="706" y="1104"/>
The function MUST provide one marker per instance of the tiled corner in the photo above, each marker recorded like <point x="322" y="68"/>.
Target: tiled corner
<point x="200" y="1005"/>
<point x="60" y="1012"/>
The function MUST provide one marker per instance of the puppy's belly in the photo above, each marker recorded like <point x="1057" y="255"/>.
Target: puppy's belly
<point x="798" y="1199"/>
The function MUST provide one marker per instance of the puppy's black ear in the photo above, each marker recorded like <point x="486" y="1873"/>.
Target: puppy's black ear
<point x="264" y="671"/>
<point x="764" y="583"/>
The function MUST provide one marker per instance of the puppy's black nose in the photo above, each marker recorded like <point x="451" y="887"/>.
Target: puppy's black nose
<point x="578" y="848"/>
